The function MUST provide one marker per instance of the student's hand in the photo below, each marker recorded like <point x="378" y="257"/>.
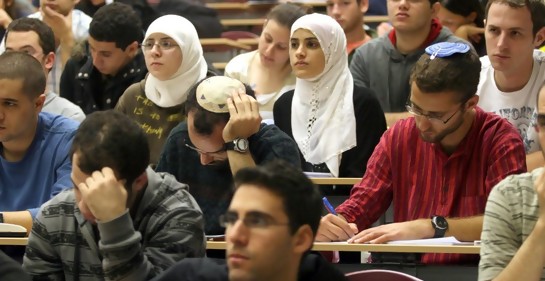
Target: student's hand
<point x="245" y="118"/>
<point x="104" y="195"/>
<point x="5" y="19"/>
<point x="59" y="23"/>
<point x="335" y="228"/>
<point x="469" y="31"/>
<point x="384" y="28"/>
<point x="417" y="229"/>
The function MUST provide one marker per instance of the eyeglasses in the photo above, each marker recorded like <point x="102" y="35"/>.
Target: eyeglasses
<point x="162" y="45"/>
<point x="251" y="220"/>
<point x="214" y="153"/>
<point x="431" y="117"/>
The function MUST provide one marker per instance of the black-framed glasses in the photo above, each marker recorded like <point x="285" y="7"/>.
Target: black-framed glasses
<point x="162" y="44"/>
<point x="431" y="117"/>
<point x="251" y="220"/>
<point x="213" y="153"/>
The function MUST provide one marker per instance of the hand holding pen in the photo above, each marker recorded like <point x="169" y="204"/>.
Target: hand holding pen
<point x="334" y="227"/>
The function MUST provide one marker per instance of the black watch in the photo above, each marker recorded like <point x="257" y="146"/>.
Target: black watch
<point x="238" y="145"/>
<point x="1" y="217"/>
<point x="440" y="225"/>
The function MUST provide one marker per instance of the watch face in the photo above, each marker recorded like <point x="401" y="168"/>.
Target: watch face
<point x="440" y="222"/>
<point x="241" y="145"/>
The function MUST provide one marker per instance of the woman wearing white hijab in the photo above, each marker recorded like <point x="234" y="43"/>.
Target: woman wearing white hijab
<point x="174" y="58"/>
<point x="335" y="124"/>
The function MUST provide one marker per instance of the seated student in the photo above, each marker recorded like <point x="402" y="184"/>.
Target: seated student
<point x="222" y="134"/>
<point x="512" y="246"/>
<point x="464" y="18"/>
<point x="270" y="228"/>
<point x="349" y="14"/>
<point x="96" y="76"/>
<point x="335" y="123"/>
<point x="440" y="164"/>
<point x="10" y="270"/>
<point x="69" y="25"/>
<point x="514" y="72"/>
<point x="121" y="220"/>
<point x="34" y="145"/>
<point x="174" y="59"/>
<point x="384" y="64"/>
<point x="34" y="37"/>
<point x="11" y="10"/>
<point x="267" y="70"/>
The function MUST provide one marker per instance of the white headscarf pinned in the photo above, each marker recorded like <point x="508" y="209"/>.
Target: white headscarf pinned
<point x="174" y="91"/>
<point x="323" y="120"/>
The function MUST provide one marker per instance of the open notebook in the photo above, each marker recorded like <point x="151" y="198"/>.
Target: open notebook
<point x="12" y="230"/>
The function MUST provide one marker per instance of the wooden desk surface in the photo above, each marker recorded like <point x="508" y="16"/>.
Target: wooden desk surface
<point x="13" y="241"/>
<point x="223" y="41"/>
<point x="337" y="246"/>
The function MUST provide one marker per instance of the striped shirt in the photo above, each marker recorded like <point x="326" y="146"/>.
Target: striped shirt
<point x="511" y="213"/>
<point x="422" y="180"/>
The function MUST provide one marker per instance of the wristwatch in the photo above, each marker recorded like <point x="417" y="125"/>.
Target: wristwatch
<point x="238" y="145"/>
<point x="440" y="225"/>
<point x="1" y="217"/>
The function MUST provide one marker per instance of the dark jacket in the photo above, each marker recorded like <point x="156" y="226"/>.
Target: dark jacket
<point x="10" y="270"/>
<point x="82" y="84"/>
<point x="313" y="268"/>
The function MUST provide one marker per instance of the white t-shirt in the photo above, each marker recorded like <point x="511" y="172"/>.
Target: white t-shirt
<point x="238" y="68"/>
<point x="518" y="107"/>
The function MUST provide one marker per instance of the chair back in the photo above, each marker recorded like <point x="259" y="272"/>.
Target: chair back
<point x="380" y="275"/>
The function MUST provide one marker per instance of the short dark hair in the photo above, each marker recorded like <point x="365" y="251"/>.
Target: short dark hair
<point x="111" y="139"/>
<point x="458" y="73"/>
<point x="536" y="8"/>
<point x="45" y="33"/>
<point x="464" y="8"/>
<point x="22" y="66"/>
<point x="116" y="22"/>
<point x="300" y="197"/>
<point x="286" y="14"/>
<point x="204" y="121"/>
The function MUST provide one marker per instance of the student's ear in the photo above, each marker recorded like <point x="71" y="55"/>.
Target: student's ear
<point x="539" y="38"/>
<point x="39" y="102"/>
<point x="471" y="17"/>
<point x="132" y="49"/>
<point x="364" y="6"/>
<point x="303" y="239"/>
<point x="472" y="102"/>
<point x="140" y="182"/>
<point x="49" y="61"/>
<point x="435" y="9"/>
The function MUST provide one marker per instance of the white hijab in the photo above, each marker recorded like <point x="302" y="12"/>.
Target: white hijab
<point x="323" y="120"/>
<point x="174" y="91"/>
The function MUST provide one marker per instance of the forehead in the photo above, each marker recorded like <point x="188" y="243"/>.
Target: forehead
<point x="20" y="39"/>
<point x="503" y="15"/>
<point x="253" y="198"/>
<point x="11" y="89"/>
<point x="302" y="33"/>
<point x="102" y="45"/>
<point x="432" y="102"/>
<point x="275" y="29"/>
<point x="158" y="36"/>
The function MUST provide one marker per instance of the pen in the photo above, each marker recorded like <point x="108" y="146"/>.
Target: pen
<point x="328" y="206"/>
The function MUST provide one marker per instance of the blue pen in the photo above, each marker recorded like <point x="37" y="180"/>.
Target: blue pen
<point x="328" y="206"/>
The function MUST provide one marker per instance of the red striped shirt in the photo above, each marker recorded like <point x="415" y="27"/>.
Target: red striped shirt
<point x="423" y="181"/>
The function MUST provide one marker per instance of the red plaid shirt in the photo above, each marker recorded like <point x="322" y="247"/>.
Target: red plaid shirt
<point x="423" y="181"/>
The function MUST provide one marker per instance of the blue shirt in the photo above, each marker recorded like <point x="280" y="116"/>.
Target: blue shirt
<point x="44" y="170"/>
